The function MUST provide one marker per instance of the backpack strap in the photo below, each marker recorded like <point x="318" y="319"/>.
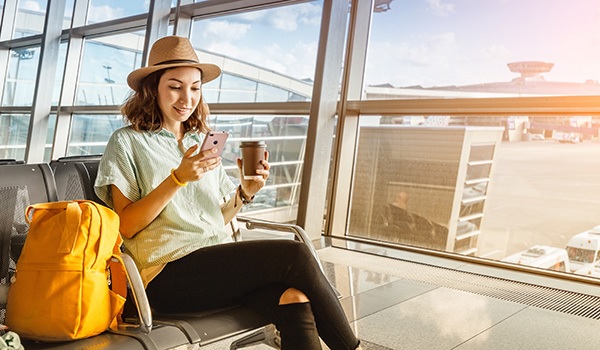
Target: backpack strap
<point x="118" y="274"/>
<point x="108" y="219"/>
<point x="73" y="220"/>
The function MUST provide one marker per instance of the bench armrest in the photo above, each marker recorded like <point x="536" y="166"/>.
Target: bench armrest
<point x="298" y="231"/>
<point x="139" y="293"/>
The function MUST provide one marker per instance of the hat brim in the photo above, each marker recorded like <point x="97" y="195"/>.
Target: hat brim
<point x="209" y="72"/>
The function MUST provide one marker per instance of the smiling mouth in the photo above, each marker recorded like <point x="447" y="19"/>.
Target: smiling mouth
<point x="182" y="110"/>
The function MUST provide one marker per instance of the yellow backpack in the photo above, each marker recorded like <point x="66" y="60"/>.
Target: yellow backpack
<point x="61" y="289"/>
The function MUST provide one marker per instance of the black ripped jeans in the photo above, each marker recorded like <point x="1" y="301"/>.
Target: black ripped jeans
<point x="254" y="273"/>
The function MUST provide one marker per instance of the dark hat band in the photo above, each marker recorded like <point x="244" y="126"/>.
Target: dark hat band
<point x="176" y="61"/>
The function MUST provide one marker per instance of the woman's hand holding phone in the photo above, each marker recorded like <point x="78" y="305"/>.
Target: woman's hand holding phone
<point x="194" y="164"/>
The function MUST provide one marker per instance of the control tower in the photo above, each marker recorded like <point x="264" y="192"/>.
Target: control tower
<point x="530" y="70"/>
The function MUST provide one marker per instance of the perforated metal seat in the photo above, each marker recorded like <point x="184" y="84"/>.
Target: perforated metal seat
<point x="25" y="184"/>
<point x="75" y="177"/>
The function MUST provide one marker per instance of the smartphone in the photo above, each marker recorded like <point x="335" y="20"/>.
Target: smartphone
<point x="214" y="139"/>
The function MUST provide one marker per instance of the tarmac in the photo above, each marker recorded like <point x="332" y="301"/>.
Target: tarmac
<point x="541" y="192"/>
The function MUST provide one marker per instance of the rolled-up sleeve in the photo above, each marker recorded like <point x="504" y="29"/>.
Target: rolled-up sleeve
<point x="117" y="168"/>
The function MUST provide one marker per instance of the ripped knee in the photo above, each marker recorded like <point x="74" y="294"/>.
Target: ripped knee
<point x="293" y="296"/>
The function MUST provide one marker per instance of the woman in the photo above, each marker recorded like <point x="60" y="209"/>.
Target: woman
<point x="168" y="196"/>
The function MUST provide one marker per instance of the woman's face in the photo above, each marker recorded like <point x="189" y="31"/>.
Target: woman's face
<point x="179" y="92"/>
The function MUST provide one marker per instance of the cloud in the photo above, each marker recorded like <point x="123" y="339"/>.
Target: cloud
<point x="252" y="16"/>
<point x="299" y="62"/>
<point x="435" y="60"/>
<point x="401" y="65"/>
<point x="309" y="14"/>
<point x="287" y="18"/>
<point x="218" y="36"/>
<point x="283" y="40"/>
<point x="495" y="51"/>
<point x="104" y="13"/>
<point x="31" y="5"/>
<point x="269" y="39"/>
<point x="442" y="41"/>
<point x="441" y="9"/>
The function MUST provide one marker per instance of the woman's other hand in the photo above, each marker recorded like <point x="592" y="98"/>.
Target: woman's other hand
<point x="252" y="186"/>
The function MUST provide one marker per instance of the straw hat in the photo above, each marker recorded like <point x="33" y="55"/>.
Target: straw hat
<point x="171" y="52"/>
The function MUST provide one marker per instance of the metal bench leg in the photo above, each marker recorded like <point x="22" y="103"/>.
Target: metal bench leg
<point x="268" y="335"/>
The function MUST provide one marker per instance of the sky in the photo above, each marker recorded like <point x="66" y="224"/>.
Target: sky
<point x="427" y="42"/>
<point x="417" y="42"/>
<point x="282" y="39"/>
<point x="459" y="42"/>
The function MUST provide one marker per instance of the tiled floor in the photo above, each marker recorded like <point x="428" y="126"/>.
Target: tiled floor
<point x="391" y="309"/>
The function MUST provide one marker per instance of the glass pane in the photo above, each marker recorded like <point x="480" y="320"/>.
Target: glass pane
<point x="30" y="18"/>
<point x="68" y="14"/>
<point x="237" y="89"/>
<point x="13" y="135"/>
<point x="478" y="190"/>
<point x="483" y="49"/>
<point x="285" y="137"/>
<point x="481" y="153"/>
<point x="106" y="10"/>
<point x="476" y="171"/>
<point x="273" y="50"/>
<point x="90" y="133"/>
<point x="21" y="75"/>
<point x="265" y="93"/>
<point x="106" y="63"/>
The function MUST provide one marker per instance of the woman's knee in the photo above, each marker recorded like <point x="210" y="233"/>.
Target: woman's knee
<point x="293" y="296"/>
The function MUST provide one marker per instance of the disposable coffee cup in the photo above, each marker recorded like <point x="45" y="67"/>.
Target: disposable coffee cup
<point x="252" y="153"/>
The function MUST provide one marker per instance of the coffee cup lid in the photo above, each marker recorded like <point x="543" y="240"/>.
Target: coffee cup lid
<point x="253" y="144"/>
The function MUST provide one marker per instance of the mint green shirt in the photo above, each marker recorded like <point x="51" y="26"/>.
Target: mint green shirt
<point x="137" y="162"/>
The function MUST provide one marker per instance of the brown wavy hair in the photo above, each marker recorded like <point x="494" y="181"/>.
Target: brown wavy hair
<point x="142" y="111"/>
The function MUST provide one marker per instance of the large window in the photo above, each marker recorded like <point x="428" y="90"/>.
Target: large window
<point x="30" y="14"/>
<point x="105" y="65"/>
<point x="285" y="136"/>
<point x="106" y="10"/>
<point x="518" y="189"/>
<point x="20" y="77"/>
<point x="269" y="55"/>
<point x="90" y="133"/>
<point x="26" y="21"/>
<point x="13" y="136"/>
<point x="512" y="178"/>
<point x="13" y="133"/>
<point x="466" y="48"/>
<point x="503" y="181"/>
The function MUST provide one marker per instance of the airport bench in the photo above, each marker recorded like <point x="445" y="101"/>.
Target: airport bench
<point x="72" y="178"/>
